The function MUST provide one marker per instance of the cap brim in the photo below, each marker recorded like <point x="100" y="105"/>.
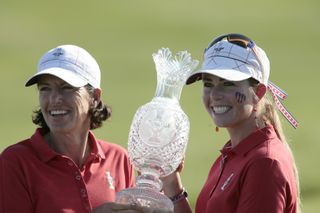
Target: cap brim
<point x="65" y="75"/>
<point x="228" y="74"/>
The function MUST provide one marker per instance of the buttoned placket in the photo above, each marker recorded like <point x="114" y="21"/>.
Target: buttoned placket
<point x="81" y="185"/>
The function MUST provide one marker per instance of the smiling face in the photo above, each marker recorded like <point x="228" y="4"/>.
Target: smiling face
<point x="229" y="103"/>
<point x="64" y="108"/>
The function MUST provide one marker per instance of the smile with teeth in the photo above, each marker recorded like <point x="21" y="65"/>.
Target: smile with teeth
<point x="220" y="109"/>
<point x="57" y="112"/>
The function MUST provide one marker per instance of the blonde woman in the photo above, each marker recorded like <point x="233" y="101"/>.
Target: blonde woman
<point x="255" y="171"/>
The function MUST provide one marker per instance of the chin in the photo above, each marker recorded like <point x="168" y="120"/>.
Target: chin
<point x="221" y="124"/>
<point x="58" y="128"/>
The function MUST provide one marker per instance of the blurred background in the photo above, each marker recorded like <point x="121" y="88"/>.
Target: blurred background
<point x="122" y="35"/>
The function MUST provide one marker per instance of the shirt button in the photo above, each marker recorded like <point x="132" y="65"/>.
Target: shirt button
<point x="83" y="192"/>
<point x="78" y="177"/>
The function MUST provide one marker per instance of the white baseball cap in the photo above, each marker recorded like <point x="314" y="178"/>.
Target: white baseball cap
<point x="234" y="57"/>
<point x="70" y="63"/>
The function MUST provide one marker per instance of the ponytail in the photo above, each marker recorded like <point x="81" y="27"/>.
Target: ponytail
<point x="268" y="114"/>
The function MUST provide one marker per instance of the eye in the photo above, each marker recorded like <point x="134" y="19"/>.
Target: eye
<point x="207" y="84"/>
<point x="228" y="83"/>
<point x="67" y="87"/>
<point x="43" y="88"/>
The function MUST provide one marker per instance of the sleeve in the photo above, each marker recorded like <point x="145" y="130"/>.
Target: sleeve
<point x="14" y="196"/>
<point x="263" y="188"/>
<point x="130" y="173"/>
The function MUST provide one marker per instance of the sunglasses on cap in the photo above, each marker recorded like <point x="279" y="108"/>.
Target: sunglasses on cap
<point x="234" y="38"/>
<point x="237" y="39"/>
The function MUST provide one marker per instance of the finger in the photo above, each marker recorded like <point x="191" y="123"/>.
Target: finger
<point x="117" y="206"/>
<point x="142" y="209"/>
<point x="145" y="209"/>
<point x="181" y="166"/>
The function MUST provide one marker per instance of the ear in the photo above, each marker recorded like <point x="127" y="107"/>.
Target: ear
<point x="97" y="96"/>
<point x="261" y="90"/>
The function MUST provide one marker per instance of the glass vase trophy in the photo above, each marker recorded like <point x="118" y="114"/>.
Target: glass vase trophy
<point x="159" y="132"/>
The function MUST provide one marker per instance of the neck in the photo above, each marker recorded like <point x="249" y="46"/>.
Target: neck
<point x="239" y="132"/>
<point x="75" y="146"/>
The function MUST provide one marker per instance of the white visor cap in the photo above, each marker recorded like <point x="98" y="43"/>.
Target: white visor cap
<point x="70" y="63"/>
<point x="234" y="63"/>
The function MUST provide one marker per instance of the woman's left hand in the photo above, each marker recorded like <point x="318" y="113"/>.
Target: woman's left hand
<point x="127" y="208"/>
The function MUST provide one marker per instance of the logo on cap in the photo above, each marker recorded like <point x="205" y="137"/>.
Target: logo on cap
<point x="58" y="52"/>
<point x="218" y="49"/>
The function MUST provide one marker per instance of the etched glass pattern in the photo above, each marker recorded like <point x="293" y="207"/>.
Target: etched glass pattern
<point x="159" y="132"/>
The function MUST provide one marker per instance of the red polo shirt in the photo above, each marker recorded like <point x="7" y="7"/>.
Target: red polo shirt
<point x="33" y="178"/>
<point x="255" y="176"/>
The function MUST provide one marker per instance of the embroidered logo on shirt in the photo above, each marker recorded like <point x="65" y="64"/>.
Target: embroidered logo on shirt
<point x="110" y="180"/>
<point x="226" y="183"/>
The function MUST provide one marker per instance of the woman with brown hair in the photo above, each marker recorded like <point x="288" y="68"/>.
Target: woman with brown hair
<point x="63" y="167"/>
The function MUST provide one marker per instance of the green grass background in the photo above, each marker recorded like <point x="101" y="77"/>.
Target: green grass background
<point x="122" y="35"/>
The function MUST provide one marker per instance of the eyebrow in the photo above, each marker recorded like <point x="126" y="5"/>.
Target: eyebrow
<point x="208" y="79"/>
<point x="42" y="83"/>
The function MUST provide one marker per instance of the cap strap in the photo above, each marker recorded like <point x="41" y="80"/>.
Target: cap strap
<point x="279" y="93"/>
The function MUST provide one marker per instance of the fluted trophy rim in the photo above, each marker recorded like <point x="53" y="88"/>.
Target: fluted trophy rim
<point x="181" y="62"/>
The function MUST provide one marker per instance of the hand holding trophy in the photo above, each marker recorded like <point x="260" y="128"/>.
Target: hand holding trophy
<point x="159" y="132"/>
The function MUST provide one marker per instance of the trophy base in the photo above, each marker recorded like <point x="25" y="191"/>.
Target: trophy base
<point x="144" y="197"/>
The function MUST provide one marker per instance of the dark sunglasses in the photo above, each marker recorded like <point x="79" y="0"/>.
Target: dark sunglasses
<point x="234" y="38"/>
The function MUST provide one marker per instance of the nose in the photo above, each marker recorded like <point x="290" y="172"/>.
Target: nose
<point x="55" y="96"/>
<point x="215" y="93"/>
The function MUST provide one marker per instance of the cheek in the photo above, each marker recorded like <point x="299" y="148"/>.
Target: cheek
<point x="205" y="97"/>
<point x="83" y="104"/>
<point x="240" y="97"/>
<point x="206" y="101"/>
<point x="42" y="101"/>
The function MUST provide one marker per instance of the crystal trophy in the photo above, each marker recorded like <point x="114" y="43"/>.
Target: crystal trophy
<point x="159" y="132"/>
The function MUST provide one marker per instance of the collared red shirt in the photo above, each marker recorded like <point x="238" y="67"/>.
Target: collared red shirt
<point x="33" y="178"/>
<point x="255" y="176"/>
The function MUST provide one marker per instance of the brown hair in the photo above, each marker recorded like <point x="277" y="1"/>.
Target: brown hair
<point x="98" y="114"/>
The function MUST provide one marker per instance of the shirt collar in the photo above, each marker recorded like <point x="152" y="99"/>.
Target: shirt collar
<point x="254" y="139"/>
<point x="40" y="146"/>
<point x="44" y="152"/>
<point x="96" y="148"/>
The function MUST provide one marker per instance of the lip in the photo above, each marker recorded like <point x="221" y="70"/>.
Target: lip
<point x="58" y="112"/>
<point x="221" y="109"/>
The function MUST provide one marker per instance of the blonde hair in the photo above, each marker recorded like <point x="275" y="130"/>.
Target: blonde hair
<point x="268" y="114"/>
